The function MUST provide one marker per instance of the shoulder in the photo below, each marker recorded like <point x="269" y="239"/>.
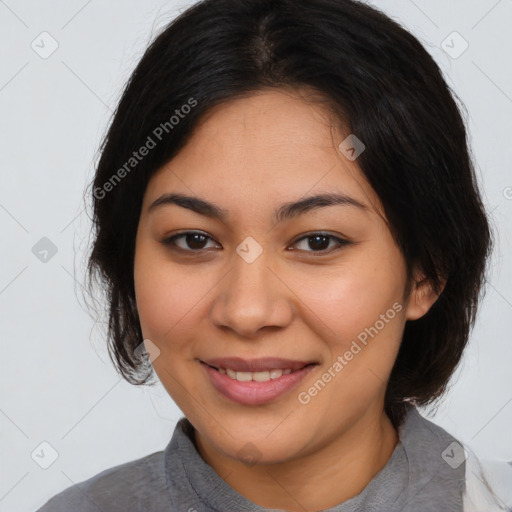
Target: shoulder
<point x="485" y="484"/>
<point x="122" y="488"/>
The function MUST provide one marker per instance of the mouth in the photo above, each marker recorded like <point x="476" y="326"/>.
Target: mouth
<point x="257" y="381"/>
<point x="257" y="376"/>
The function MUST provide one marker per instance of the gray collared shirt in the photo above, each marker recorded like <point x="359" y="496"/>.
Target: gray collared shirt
<point x="420" y="476"/>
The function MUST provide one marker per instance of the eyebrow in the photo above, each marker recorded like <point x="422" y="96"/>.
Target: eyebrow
<point x="284" y="212"/>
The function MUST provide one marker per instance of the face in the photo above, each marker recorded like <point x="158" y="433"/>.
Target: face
<point x="278" y="316"/>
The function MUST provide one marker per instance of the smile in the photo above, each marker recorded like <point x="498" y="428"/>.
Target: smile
<point x="235" y="380"/>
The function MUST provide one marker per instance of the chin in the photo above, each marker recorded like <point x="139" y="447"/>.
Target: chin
<point x="260" y="445"/>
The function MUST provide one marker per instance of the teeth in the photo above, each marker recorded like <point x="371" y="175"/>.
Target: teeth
<point x="256" y="376"/>
<point x="260" y="376"/>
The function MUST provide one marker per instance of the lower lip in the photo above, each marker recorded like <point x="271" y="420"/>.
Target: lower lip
<point x="252" y="392"/>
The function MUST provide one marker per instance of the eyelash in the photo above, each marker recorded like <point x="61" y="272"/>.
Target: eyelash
<point x="171" y="242"/>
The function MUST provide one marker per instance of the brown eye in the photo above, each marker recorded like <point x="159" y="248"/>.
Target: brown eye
<point x="319" y="242"/>
<point x="190" y="241"/>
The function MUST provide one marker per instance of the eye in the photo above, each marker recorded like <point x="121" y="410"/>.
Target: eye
<point x="319" y="242"/>
<point x="191" y="241"/>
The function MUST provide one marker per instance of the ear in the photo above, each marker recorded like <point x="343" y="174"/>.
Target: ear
<point x="421" y="297"/>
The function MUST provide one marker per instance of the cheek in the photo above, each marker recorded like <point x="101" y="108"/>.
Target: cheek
<point x="359" y="300"/>
<point x="169" y="305"/>
<point x="353" y="296"/>
<point x="362" y="310"/>
<point x="168" y="298"/>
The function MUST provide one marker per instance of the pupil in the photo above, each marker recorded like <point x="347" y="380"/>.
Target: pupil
<point x="195" y="241"/>
<point x="318" y="242"/>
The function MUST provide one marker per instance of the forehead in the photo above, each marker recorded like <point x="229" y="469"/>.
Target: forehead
<point x="262" y="148"/>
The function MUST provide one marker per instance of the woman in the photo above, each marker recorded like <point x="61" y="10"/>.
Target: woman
<point x="286" y="212"/>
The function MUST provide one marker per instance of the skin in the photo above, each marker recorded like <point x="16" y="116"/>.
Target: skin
<point x="249" y="156"/>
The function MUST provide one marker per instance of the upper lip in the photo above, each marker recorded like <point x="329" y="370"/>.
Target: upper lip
<point x="255" y="365"/>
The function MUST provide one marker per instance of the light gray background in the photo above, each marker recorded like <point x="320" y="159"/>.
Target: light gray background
<point x="57" y="382"/>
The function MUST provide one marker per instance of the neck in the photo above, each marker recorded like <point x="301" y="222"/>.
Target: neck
<point x="336" y="471"/>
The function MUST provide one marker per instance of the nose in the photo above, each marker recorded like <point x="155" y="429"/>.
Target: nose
<point x="251" y="299"/>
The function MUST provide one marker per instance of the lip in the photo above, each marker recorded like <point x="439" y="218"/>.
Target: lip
<point x="252" y="392"/>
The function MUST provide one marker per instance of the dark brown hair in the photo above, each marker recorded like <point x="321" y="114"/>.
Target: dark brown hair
<point x="395" y="98"/>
